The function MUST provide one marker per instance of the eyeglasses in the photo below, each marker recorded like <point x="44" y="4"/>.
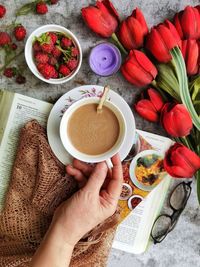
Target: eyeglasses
<point x="165" y="223"/>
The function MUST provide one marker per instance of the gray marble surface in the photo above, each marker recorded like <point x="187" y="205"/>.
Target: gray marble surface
<point x="182" y="246"/>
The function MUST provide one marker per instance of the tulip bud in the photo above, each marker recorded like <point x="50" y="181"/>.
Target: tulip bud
<point x="102" y="19"/>
<point x="198" y="8"/>
<point x="161" y="40"/>
<point x="187" y="23"/>
<point x="181" y="162"/>
<point x="132" y="30"/>
<point x="138" y="69"/>
<point x="176" y="120"/>
<point x="150" y="105"/>
<point x="190" y="52"/>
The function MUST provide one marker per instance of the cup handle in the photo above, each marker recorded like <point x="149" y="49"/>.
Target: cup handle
<point x="109" y="164"/>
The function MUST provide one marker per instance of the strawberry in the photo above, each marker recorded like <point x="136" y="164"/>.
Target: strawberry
<point x="19" y="32"/>
<point x="53" y="2"/>
<point x="36" y="46"/>
<point x="72" y="63"/>
<point x="55" y="76"/>
<point x="53" y="37"/>
<point x="2" y="11"/>
<point x="47" y="47"/>
<point x="56" y="52"/>
<point x="13" y="46"/>
<point x="65" y="42"/>
<point x="5" y="38"/>
<point x="41" y="57"/>
<point x="64" y="70"/>
<point x="53" y="61"/>
<point x="74" y="52"/>
<point x="9" y="72"/>
<point x="48" y="71"/>
<point x="41" y="8"/>
<point x="40" y="66"/>
<point x="20" y="79"/>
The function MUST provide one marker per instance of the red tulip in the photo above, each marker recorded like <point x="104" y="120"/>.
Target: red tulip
<point x="149" y="108"/>
<point x="102" y="19"/>
<point x="161" y="40"/>
<point x="198" y="8"/>
<point x="187" y="23"/>
<point x="132" y="30"/>
<point x="181" y="162"/>
<point x="176" y="120"/>
<point x="138" y="69"/>
<point x="190" y="52"/>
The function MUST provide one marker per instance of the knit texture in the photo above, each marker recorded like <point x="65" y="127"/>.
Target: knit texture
<point x="39" y="184"/>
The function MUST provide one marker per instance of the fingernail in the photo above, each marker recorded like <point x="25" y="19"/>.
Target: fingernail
<point x="69" y="165"/>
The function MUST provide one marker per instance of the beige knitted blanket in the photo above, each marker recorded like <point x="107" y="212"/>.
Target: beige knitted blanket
<point x="38" y="185"/>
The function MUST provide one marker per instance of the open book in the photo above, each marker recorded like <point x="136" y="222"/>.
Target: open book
<point x="15" y="110"/>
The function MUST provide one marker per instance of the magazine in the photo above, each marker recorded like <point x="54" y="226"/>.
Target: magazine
<point x="134" y="230"/>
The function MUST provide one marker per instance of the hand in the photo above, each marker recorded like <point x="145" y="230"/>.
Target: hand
<point x="95" y="201"/>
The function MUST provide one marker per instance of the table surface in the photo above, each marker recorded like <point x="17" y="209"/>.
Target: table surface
<point x="182" y="246"/>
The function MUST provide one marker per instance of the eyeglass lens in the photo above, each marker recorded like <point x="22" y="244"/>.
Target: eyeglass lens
<point x="160" y="228"/>
<point x="179" y="196"/>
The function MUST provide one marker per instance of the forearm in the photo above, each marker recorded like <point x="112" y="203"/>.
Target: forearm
<point x="54" y="251"/>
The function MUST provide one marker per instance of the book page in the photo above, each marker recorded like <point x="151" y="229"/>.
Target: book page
<point x="22" y="110"/>
<point x="133" y="232"/>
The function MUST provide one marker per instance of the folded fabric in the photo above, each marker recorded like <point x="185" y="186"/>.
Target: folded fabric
<point x="38" y="185"/>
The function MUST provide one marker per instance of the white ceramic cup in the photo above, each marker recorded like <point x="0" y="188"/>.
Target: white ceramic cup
<point x="85" y="157"/>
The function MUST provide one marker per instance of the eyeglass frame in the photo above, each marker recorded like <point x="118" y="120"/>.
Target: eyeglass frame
<point x="174" y="217"/>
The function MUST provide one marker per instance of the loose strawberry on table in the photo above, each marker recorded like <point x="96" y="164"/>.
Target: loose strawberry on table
<point x="41" y="8"/>
<point x="19" y="32"/>
<point x="9" y="72"/>
<point x="5" y="39"/>
<point x="2" y="11"/>
<point x="13" y="46"/>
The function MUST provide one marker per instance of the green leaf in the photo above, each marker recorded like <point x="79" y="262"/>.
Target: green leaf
<point x="26" y="9"/>
<point x="167" y="80"/>
<point x="180" y="68"/>
<point x="195" y="88"/>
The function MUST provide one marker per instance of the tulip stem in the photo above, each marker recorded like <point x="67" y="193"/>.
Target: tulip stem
<point x="116" y="40"/>
<point x="186" y="141"/>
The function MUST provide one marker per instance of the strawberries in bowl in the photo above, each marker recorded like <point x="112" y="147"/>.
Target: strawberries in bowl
<point x="53" y="54"/>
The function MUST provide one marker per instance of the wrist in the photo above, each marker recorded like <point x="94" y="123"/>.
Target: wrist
<point x="64" y="236"/>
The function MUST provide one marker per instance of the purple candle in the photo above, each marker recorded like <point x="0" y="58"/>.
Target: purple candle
<point x="105" y="59"/>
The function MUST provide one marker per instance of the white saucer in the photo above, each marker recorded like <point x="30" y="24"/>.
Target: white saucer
<point x="72" y="96"/>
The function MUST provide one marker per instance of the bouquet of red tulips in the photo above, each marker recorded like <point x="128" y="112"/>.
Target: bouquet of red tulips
<point x="167" y="57"/>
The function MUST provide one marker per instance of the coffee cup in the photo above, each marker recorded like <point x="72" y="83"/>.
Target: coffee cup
<point x="67" y="139"/>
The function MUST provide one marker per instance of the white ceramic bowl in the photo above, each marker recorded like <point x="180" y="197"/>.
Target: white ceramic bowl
<point x="29" y="52"/>
<point x="133" y="166"/>
<point x="130" y="199"/>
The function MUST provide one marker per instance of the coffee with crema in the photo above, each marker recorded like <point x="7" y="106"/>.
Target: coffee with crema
<point x="92" y="133"/>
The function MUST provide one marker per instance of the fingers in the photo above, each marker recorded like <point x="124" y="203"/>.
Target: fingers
<point x="97" y="177"/>
<point x="83" y="167"/>
<point x="114" y="186"/>
<point x="78" y="175"/>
